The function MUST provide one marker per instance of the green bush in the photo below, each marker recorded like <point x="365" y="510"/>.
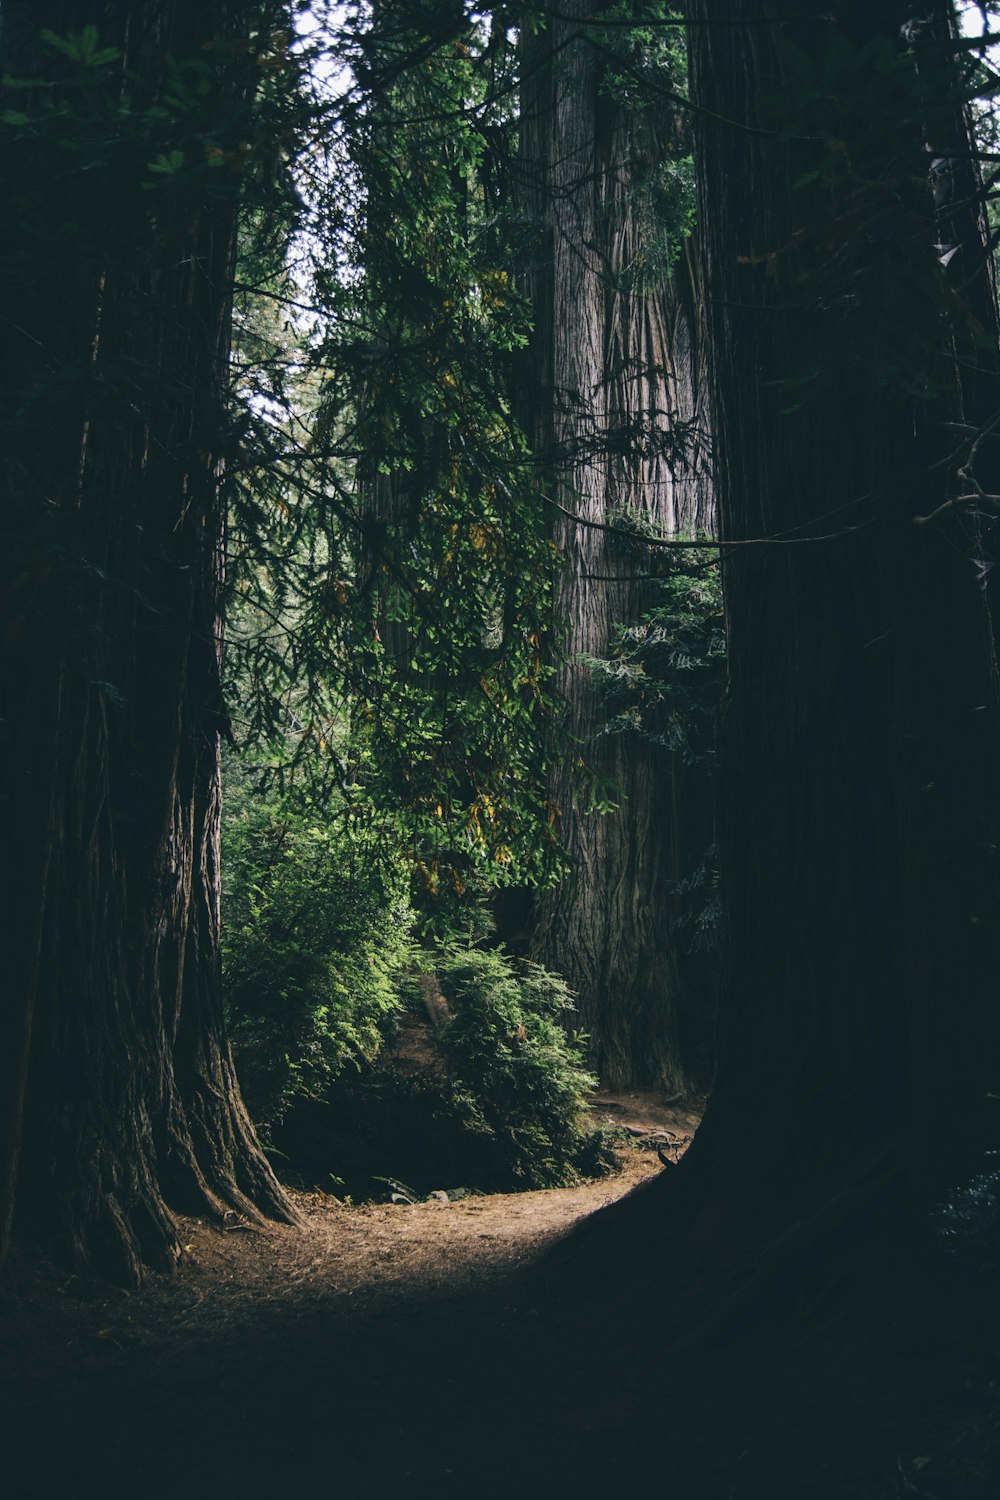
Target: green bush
<point x="315" y="938"/>
<point x="316" y="951"/>
<point x="516" y="1077"/>
<point x="503" y="1110"/>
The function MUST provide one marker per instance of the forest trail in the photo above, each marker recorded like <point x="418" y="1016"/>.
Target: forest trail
<point x="429" y="1349"/>
<point x="331" y="1351"/>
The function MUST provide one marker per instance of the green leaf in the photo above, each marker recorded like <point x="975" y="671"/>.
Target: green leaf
<point x="81" y="47"/>
<point x="167" y="165"/>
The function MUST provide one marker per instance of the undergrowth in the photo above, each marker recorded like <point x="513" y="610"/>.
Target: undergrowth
<point x="499" y="1105"/>
<point x="320" y="964"/>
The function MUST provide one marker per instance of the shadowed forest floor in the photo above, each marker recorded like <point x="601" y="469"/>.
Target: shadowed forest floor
<point x="440" y="1349"/>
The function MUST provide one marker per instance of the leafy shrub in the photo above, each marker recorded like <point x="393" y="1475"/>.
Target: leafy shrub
<point x="502" y="1111"/>
<point x="516" y="1077"/>
<point x="315" y="937"/>
<point x="316" y="949"/>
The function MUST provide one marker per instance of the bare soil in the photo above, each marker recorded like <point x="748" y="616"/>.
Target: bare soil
<point x="441" y="1349"/>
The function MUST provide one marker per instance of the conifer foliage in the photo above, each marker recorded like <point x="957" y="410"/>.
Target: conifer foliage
<point x="402" y="609"/>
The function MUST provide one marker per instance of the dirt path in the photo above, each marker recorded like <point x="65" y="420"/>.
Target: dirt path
<point x="276" y="1350"/>
<point x="419" y="1351"/>
<point x="371" y="1258"/>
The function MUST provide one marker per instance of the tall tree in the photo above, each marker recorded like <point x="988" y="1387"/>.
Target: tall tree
<point x="618" y="411"/>
<point x="860" y="816"/>
<point x="446" y="576"/>
<point x="123" y="168"/>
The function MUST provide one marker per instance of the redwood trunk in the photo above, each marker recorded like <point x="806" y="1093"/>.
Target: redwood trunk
<point x="132" y="1104"/>
<point x="860" y="816"/>
<point x="621" y="360"/>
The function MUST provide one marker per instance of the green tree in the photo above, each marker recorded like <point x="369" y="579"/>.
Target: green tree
<point x="401" y="571"/>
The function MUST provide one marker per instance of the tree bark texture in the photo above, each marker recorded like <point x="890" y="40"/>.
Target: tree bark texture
<point x="116" y="412"/>
<point x="859" y="815"/>
<point x="618" y="378"/>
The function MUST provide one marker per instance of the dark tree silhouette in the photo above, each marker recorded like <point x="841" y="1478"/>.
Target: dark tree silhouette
<point x="123" y="176"/>
<point x="859" y="815"/>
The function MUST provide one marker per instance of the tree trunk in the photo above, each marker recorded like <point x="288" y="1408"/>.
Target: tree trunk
<point x="860" y="814"/>
<point x="621" y="364"/>
<point x="132" y="1104"/>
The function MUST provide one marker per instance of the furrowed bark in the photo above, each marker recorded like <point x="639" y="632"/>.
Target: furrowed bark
<point x="860" y="814"/>
<point x="132" y="1105"/>
<point x="619" y="369"/>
